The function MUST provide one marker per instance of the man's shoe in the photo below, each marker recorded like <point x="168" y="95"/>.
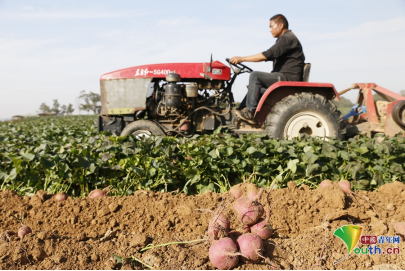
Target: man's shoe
<point x="246" y="115"/>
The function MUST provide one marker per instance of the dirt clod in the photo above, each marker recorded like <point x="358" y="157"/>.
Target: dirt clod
<point x="139" y="240"/>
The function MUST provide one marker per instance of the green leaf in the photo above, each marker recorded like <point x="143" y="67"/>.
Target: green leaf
<point x="292" y="165"/>
<point x="92" y="168"/>
<point x="363" y="159"/>
<point x="357" y="185"/>
<point x="258" y="154"/>
<point x="83" y="162"/>
<point x="251" y="150"/>
<point x="137" y="170"/>
<point x="3" y="175"/>
<point x="106" y="156"/>
<point x="311" y="169"/>
<point x="213" y="153"/>
<point x="217" y="131"/>
<point x="195" y="179"/>
<point x="209" y="187"/>
<point x="361" y="150"/>
<point x="13" y="174"/>
<point x="191" y="172"/>
<point x="118" y="258"/>
<point x="344" y="155"/>
<point x="28" y="156"/>
<point x="152" y="172"/>
<point x="377" y="179"/>
<point x="158" y="141"/>
<point x="310" y="158"/>
<point x="217" y="153"/>
<point x="354" y="170"/>
<point x="43" y="146"/>
<point x="46" y="163"/>
<point x="397" y="168"/>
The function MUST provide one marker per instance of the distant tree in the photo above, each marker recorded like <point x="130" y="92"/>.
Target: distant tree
<point x="86" y="105"/>
<point x="56" y="106"/>
<point x="43" y="108"/>
<point x="64" y="109"/>
<point x="95" y="100"/>
<point x="91" y="102"/>
<point x="70" y="109"/>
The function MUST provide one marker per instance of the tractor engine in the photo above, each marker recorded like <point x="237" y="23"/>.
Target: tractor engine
<point x="174" y="99"/>
<point x="173" y="102"/>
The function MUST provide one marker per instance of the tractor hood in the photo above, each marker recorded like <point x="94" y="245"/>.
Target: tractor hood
<point x="125" y="91"/>
<point x="219" y="71"/>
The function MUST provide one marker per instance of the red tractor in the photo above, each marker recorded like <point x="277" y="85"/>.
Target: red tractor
<point x="190" y="98"/>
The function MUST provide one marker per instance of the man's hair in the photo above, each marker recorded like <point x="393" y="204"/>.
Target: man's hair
<point x="279" y="18"/>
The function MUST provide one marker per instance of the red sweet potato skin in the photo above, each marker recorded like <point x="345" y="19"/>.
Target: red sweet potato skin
<point x="250" y="246"/>
<point x="248" y="211"/>
<point x="221" y="254"/>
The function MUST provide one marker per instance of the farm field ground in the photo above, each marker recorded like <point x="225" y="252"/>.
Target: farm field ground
<point x="156" y="185"/>
<point x="74" y="234"/>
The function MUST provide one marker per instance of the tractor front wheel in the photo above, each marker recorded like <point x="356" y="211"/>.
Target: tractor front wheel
<point x="304" y="113"/>
<point x="142" y="128"/>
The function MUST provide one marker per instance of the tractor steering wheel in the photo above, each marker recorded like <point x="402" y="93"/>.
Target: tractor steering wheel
<point x="240" y="66"/>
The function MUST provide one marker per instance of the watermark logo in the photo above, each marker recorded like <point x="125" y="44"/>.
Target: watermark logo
<point x="350" y="235"/>
<point x="368" y="239"/>
<point x="376" y="250"/>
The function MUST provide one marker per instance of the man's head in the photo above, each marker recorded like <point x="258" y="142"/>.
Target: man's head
<point x="278" y="25"/>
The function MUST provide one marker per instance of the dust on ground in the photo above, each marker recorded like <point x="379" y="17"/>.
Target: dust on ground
<point x="84" y="233"/>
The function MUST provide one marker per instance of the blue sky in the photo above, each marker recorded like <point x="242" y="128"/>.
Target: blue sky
<point x="54" y="49"/>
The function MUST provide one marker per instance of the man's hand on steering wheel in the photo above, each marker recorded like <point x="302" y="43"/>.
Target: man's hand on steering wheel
<point x="235" y="60"/>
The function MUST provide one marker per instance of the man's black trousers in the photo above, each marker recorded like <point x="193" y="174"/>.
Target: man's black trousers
<point x="259" y="82"/>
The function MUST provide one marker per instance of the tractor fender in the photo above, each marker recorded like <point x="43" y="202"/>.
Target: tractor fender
<point x="280" y="90"/>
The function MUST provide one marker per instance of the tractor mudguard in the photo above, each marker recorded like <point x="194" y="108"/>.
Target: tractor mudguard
<point x="280" y="90"/>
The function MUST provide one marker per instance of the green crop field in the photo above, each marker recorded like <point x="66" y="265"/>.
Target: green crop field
<point x="67" y="154"/>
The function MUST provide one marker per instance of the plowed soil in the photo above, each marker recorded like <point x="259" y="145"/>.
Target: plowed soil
<point x="84" y="233"/>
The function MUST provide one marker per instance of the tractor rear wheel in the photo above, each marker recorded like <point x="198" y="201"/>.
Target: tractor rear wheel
<point x="398" y="113"/>
<point x="142" y="128"/>
<point x="304" y="113"/>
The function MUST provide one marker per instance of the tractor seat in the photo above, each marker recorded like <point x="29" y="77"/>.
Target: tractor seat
<point x="307" y="69"/>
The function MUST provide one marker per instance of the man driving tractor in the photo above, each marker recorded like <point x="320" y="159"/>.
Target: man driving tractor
<point x="288" y="64"/>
